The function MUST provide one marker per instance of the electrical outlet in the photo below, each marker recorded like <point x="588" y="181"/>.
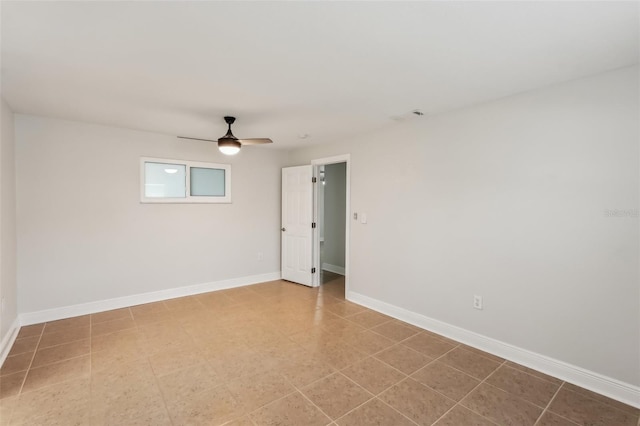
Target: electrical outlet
<point x="260" y="256"/>
<point x="477" y="301"/>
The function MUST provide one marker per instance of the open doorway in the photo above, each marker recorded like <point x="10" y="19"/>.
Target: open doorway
<point x="331" y="207"/>
<point x="332" y="193"/>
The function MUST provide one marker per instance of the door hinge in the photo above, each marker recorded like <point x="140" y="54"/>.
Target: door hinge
<point x="314" y="179"/>
<point x="313" y="270"/>
<point x="313" y="225"/>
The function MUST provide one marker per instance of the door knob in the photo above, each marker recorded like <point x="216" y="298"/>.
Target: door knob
<point x="284" y="229"/>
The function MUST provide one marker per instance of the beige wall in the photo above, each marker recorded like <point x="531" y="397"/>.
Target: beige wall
<point x="8" y="290"/>
<point x="84" y="236"/>
<point x="507" y="200"/>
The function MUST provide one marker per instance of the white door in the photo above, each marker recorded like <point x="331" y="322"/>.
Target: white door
<point x="297" y="217"/>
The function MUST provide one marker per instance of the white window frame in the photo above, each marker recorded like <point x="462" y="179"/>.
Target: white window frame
<point x="188" y="198"/>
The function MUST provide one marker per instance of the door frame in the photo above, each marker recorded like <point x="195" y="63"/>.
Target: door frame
<point x="344" y="158"/>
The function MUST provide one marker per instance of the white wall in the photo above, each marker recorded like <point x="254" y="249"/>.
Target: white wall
<point x="84" y="236"/>
<point x="334" y="214"/>
<point x="507" y="200"/>
<point x="8" y="290"/>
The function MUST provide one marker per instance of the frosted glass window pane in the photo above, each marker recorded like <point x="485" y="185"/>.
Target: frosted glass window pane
<point x="165" y="180"/>
<point x="207" y="182"/>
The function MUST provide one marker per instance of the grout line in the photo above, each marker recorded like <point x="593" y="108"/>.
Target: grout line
<point x="35" y="351"/>
<point x="469" y="393"/>
<point x="533" y="375"/>
<point x="376" y="397"/>
<point x="312" y="403"/>
<point x="549" y="404"/>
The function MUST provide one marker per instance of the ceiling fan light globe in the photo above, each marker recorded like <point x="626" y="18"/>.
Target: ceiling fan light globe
<point x="229" y="146"/>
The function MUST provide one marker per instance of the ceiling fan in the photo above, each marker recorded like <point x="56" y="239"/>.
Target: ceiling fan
<point x="229" y="144"/>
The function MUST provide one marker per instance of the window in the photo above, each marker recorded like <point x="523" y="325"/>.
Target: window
<point x="180" y="181"/>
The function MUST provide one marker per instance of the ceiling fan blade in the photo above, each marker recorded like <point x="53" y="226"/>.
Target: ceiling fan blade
<point x="197" y="139"/>
<point x="255" y="141"/>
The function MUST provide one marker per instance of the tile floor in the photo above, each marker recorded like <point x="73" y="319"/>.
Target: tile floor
<point x="274" y="354"/>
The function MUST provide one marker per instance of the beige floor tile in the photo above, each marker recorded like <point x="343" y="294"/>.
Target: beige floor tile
<point x="117" y="348"/>
<point x="148" y="308"/>
<point x="183" y="303"/>
<point x="403" y="358"/>
<point x="395" y="330"/>
<point x="336" y="395"/>
<point x="124" y="409"/>
<point x="110" y="358"/>
<point x="305" y="370"/>
<point x="373" y="375"/>
<point x="55" y="373"/>
<point x="447" y="380"/>
<point x="429" y="345"/>
<point x="11" y="384"/>
<point x="66" y="415"/>
<point x="165" y="362"/>
<point x="62" y="352"/>
<point x="123" y="378"/>
<point x="188" y="381"/>
<point x="115" y="314"/>
<point x="241" y="364"/>
<point x="550" y="419"/>
<point x="226" y="346"/>
<point x="112" y="326"/>
<point x="278" y="355"/>
<point x="316" y="336"/>
<point x="6" y="409"/>
<point x="501" y="407"/>
<point x="13" y="364"/>
<point x="615" y="404"/>
<point x="338" y="355"/>
<point x="30" y="330"/>
<point x="369" y="319"/>
<point x="241" y="421"/>
<point x="50" y="401"/>
<point x="584" y="410"/>
<point x="24" y="345"/>
<point x="372" y="413"/>
<point x="471" y="363"/>
<point x="215" y="300"/>
<point x="66" y="324"/>
<point x="64" y="336"/>
<point x="253" y="392"/>
<point x="120" y="340"/>
<point x="268" y="340"/>
<point x="169" y="342"/>
<point x="419" y="403"/>
<point x="369" y="342"/>
<point x="479" y="352"/>
<point x="344" y="308"/>
<point x="168" y="329"/>
<point x="460" y="416"/>
<point x="533" y="372"/>
<point x="150" y="318"/>
<point x="523" y="385"/>
<point x="292" y="410"/>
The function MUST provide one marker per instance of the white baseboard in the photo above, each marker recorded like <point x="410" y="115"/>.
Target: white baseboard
<point x="37" y="317"/>
<point x="7" y="341"/>
<point x="613" y="388"/>
<point x="333" y="268"/>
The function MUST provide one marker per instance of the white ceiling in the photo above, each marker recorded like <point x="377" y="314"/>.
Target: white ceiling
<point x="329" y="69"/>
